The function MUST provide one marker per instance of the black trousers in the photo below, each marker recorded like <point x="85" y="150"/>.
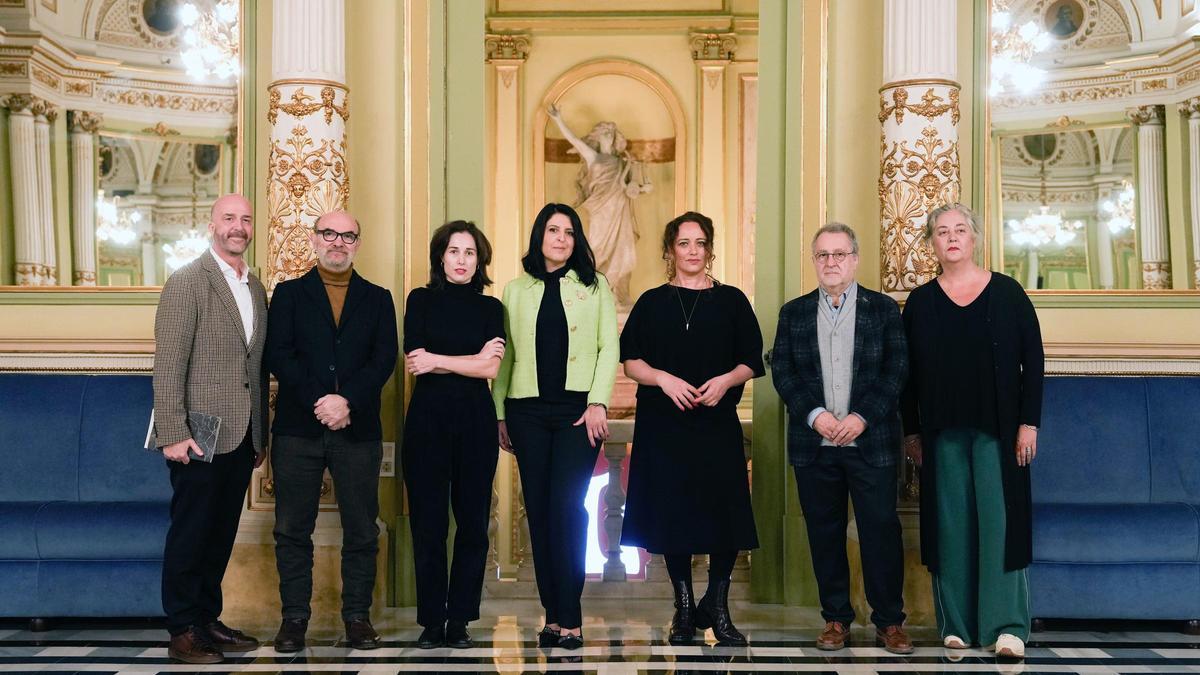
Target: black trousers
<point x="555" y="461"/>
<point x="449" y="457"/>
<point x="205" y="509"/>
<point x="823" y="487"/>
<point x="298" y="467"/>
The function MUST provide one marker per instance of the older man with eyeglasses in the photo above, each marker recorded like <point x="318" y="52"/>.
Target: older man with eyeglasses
<point x="839" y="363"/>
<point x="332" y="345"/>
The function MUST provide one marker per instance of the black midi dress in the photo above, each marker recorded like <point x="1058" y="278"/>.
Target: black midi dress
<point x="688" y="487"/>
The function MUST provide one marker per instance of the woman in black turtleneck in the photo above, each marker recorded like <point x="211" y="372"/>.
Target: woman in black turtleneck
<point x="453" y="343"/>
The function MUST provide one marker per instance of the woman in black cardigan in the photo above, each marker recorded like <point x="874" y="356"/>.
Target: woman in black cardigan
<point x="974" y="401"/>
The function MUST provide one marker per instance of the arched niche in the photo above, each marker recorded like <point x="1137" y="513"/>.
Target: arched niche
<point x="647" y="111"/>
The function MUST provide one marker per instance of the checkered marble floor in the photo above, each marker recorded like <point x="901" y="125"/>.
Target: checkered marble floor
<point x="621" y="637"/>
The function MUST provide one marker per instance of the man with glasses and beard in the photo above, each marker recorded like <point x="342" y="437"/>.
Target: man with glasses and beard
<point x="839" y="363"/>
<point x="209" y="332"/>
<point x="332" y="345"/>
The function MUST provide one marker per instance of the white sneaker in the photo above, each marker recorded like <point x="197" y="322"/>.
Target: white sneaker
<point x="1010" y="646"/>
<point x="953" y="642"/>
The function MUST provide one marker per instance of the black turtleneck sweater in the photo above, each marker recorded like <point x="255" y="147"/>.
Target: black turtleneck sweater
<point x="552" y="342"/>
<point x="455" y="320"/>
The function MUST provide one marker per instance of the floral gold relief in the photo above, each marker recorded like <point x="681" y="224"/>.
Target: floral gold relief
<point x="1156" y="276"/>
<point x="918" y="172"/>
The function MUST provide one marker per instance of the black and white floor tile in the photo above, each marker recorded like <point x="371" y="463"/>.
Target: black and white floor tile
<point x="627" y="640"/>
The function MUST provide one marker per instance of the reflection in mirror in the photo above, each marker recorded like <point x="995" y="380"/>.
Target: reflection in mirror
<point x="1067" y="208"/>
<point x="117" y="145"/>
<point x="152" y="207"/>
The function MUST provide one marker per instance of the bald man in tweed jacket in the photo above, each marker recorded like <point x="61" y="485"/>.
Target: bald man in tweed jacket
<point x="209" y="334"/>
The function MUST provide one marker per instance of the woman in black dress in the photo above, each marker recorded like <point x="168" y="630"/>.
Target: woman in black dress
<point x="453" y="343"/>
<point x="691" y="345"/>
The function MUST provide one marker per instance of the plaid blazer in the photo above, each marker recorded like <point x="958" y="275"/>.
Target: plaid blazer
<point x="202" y="361"/>
<point x="880" y="368"/>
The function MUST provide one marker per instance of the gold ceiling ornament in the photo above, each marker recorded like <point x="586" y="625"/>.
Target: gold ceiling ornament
<point x="508" y="47"/>
<point x="713" y="46"/>
<point x="913" y="182"/>
<point x="302" y="105"/>
<point x="1064" y="122"/>
<point x="160" y="129"/>
<point x="307" y="178"/>
<point x="931" y="106"/>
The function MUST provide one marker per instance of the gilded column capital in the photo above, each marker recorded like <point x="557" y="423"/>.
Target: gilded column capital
<point x="713" y="46"/>
<point x="1192" y="107"/>
<point x="1146" y="114"/>
<point x="50" y="112"/>
<point x="84" y="122"/>
<point x="20" y="103"/>
<point x="506" y="47"/>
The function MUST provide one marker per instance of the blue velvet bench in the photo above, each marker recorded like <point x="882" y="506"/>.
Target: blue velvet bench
<point x="1116" y="492"/>
<point x="84" y="509"/>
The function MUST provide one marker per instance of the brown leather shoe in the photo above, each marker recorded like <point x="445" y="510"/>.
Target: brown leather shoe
<point x="193" y="646"/>
<point x="361" y="635"/>
<point x="894" y="639"/>
<point x="833" y="637"/>
<point x="230" y="640"/>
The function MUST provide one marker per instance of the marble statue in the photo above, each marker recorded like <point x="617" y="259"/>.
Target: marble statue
<point x="609" y="180"/>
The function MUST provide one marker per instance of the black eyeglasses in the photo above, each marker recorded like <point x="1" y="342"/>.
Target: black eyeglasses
<point x="330" y="235"/>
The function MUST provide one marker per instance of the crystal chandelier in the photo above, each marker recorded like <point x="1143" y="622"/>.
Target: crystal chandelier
<point x="114" y="225"/>
<point x="211" y="40"/>
<point x="1042" y="227"/>
<point x="189" y="247"/>
<point x="1012" y="49"/>
<point x="1119" y="208"/>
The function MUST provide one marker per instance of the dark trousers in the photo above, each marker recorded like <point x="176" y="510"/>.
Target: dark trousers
<point x="823" y="487"/>
<point x="205" y="509"/>
<point x="555" y="461"/>
<point x="449" y="457"/>
<point x="298" y="467"/>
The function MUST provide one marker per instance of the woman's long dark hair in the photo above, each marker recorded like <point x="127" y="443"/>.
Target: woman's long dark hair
<point x="582" y="260"/>
<point x="440" y="241"/>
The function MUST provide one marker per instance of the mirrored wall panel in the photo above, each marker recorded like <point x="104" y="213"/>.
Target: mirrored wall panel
<point x="1068" y="208"/>
<point x="118" y="144"/>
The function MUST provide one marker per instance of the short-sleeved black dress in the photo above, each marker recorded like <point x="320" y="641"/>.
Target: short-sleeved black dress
<point x="688" y="488"/>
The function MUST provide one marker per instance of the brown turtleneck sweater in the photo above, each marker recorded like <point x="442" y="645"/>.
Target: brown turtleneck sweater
<point x="336" y="284"/>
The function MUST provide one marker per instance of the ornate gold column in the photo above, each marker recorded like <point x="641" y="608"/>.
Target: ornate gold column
<point x="308" y="106"/>
<point x="27" y="203"/>
<point x="83" y="126"/>
<point x="44" y="116"/>
<point x="918" y="115"/>
<point x="712" y="52"/>
<point x="1192" y="106"/>
<point x="1151" y="197"/>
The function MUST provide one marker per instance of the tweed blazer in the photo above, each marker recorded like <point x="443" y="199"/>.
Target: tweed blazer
<point x="880" y="370"/>
<point x="593" y="346"/>
<point x="201" y="360"/>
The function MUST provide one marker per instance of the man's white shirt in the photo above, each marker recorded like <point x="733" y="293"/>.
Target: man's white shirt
<point x="240" y="287"/>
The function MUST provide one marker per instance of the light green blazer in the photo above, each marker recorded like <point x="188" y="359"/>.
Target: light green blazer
<point x="593" y="348"/>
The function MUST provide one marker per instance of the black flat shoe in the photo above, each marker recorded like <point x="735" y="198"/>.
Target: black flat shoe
<point x="457" y="636"/>
<point x="432" y="637"/>
<point x="360" y="634"/>
<point x="572" y="642"/>
<point x="547" y="638"/>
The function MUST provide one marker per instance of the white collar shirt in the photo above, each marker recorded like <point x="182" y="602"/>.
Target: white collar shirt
<point x="239" y="285"/>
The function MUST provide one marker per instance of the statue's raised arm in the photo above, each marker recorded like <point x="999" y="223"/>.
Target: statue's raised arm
<point x="585" y="151"/>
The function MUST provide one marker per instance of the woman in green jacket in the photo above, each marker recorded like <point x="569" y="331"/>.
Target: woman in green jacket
<point x="551" y="398"/>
